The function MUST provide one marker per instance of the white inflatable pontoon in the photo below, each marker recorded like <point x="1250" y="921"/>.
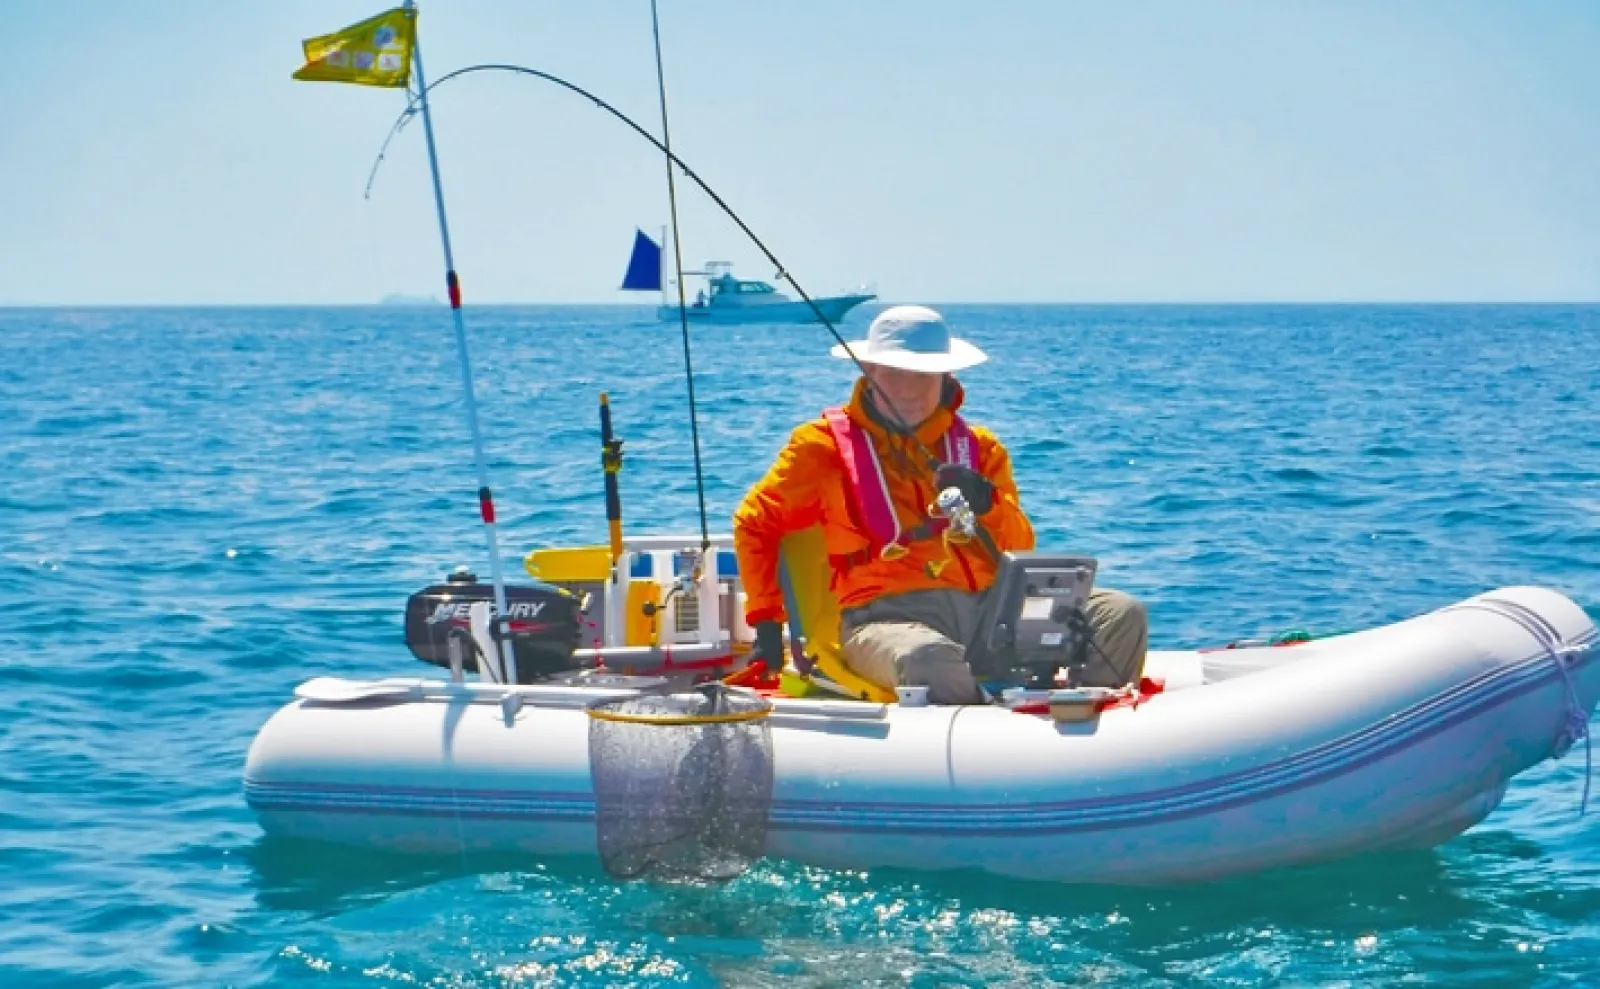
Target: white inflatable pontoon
<point x="1251" y="758"/>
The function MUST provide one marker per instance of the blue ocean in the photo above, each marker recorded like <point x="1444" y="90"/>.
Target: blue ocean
<point x="199" y="508"/>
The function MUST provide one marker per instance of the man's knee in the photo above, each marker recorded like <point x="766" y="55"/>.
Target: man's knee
<point x="1116" y="609"/>
<point x="1121" y="630"/>
<point x="942" y="668"/>
<point x="912" y="654"/>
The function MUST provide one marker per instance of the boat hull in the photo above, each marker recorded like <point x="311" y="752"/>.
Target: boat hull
<point x="1401" y="736"/>
<point x="832" y="308"/>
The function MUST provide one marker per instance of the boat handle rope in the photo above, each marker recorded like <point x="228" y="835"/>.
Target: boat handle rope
<point x="1574" y="723"/>
<point x="1577" y="724"/>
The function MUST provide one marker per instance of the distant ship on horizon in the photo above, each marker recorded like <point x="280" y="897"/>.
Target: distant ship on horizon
<point x="726" y="299"/>
<point x="401" y="299"/>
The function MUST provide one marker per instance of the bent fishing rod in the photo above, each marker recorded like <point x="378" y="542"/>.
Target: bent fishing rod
<point x="898" y="422"/>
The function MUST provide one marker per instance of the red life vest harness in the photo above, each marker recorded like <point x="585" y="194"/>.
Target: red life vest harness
<point x="869" y="487"/>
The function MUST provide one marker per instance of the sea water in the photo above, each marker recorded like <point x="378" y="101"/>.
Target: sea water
<point x="200" y="508"/>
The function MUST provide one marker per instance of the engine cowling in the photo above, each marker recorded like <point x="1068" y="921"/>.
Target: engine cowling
<point x="545" y="624"/>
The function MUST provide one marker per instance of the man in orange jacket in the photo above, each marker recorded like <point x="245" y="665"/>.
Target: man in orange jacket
<point x="910" y="600"/>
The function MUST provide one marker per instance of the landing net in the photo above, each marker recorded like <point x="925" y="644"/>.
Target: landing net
<point x="682" y="783"/>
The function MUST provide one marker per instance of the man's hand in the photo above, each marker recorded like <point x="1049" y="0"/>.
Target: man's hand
<point x="974" y="486"/>
<point x="769" y="645"/>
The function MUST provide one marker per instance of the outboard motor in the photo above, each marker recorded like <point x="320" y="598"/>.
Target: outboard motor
<point x="545" y="623"/>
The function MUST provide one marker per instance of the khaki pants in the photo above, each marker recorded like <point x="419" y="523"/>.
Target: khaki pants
<point x="919" y="639"/>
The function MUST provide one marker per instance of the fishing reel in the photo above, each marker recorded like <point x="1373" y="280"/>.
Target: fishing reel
<point x="951" y="505"/>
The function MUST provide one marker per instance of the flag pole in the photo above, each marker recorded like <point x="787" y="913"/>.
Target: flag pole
<point x="508" y="657"/>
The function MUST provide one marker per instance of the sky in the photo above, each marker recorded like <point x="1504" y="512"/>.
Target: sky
<point x="1013" y="151"/>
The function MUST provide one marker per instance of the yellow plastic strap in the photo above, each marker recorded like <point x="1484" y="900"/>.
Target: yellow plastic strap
<point x="795" y="685"/>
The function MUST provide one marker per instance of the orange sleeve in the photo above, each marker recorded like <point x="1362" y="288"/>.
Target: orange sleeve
<point x="1006" y="521"/>
<point x="788" y="499"/>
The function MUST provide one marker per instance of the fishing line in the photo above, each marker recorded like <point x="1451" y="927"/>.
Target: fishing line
<point x="683" y="310"/>
<point x="898" y="421"/>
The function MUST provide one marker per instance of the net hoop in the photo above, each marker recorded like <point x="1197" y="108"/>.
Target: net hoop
<point x="680" y="719"/>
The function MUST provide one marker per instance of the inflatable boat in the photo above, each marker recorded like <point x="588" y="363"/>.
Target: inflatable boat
<point x="1228" y="761"/>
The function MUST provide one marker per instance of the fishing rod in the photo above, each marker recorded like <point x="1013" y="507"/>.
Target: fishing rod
<point x="683" y="305"/>
<point x="898" y="422"/>
<point x="507" y="659"/>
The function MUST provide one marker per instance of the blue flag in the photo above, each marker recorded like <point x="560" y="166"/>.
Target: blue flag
<point x="644" y="268"/>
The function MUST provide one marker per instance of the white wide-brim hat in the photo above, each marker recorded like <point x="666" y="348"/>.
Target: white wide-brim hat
<point x="912" y="338"/>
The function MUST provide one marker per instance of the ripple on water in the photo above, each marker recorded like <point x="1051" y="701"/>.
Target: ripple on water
<point x="188" y="531"/>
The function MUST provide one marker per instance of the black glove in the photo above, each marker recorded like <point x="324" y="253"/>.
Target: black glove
<point x="974" y="486"/>
<point x="769" y="644"/>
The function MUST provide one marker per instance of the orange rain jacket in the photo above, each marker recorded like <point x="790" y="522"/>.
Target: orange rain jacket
<point x="808" y="485"/>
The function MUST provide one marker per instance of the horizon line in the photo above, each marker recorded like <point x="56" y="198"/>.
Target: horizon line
<point x="423" y="305"/>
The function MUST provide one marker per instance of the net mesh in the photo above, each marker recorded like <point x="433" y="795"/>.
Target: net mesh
<point x="682" y="783"/>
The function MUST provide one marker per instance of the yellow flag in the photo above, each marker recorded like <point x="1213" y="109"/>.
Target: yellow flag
<point x="375" y="52"/>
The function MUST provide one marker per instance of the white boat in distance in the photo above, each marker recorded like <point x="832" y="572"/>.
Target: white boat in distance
<point x="726" y="299"/>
